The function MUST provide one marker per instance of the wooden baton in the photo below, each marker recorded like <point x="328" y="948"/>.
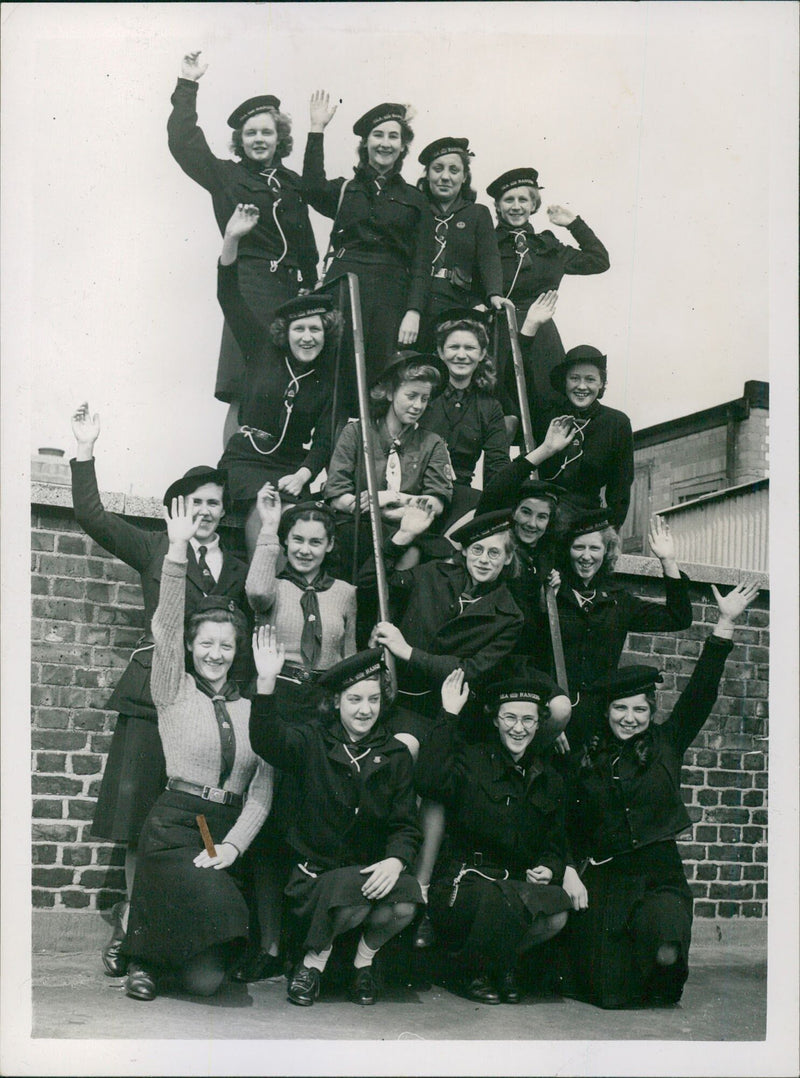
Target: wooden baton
<point x="208" y="842"/>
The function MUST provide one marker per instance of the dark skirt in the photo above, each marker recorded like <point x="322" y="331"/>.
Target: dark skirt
<point x="134" y="777"/>
<point x="248" y="470"/>
<point x="314" y="900"/>
<point x="178" y="910"/>
<point x="637" y="902"/>
<point x="263" y="291"/>
<point x="483" y="929"/>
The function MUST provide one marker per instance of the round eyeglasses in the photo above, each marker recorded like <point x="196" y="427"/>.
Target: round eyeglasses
<point x="508" y="722"/>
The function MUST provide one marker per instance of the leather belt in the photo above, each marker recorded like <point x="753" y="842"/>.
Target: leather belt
<point x="208" y="793"/>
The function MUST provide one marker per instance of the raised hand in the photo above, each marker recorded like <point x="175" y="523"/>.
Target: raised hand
<point x="661" y="541"/>
<point x="243" y="220"/>
<point x="182" y="523"/>
<point x="540" y="311"/>
<point x="269" y="656"/>
<point x="455" y="692"/>
<point x="559" y="434"/>
<point x="192" y="67"/>
<point x="86" y="428"/>
<point x="321" y="111"/>
<point x="417" y="517"/>
<point x="268" y="504"/>
<point x="733" y="605"/>
<point x="560" y="215"/>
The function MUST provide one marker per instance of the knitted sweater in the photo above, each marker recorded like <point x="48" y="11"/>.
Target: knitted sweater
<point x="278" y="601"/>
<point x="188" y="726"/>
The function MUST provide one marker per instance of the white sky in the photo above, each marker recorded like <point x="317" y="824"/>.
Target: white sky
<point x="648" y="119"/>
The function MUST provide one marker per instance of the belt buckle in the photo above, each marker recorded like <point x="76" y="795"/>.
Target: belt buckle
<point x="477" y="859"/>
<point x="212" y="793"/>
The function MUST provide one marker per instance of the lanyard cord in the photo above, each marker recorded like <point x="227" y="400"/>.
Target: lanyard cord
<point x="273" y="183"/>
<point x="578" y="433"/>
<point x="289" y="396"/>
<point x="440" y="237"/>
<point x="518" y="235"/>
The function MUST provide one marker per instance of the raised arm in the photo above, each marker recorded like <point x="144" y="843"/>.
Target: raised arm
<point x="118" y="536"/>
<point x="591" y="256"/>
<point x="279" y="743"/>
<point x="250" y="335"/>
<point x="646" y="616"/>
<point x="186" y="141"/>
<point x="260" y="585"/>
<point x="322" y="193"/>
<point x="437" y="774"/>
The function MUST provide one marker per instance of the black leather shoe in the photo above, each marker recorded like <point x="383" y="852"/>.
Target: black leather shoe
<point x="365" y="987"/>
<point x="304" y="986"/>
<point x="259" y="967"/>
<point x="425" y="935"/>
<point x="116" y="963"/>
<point x="509" y="988"/>
<point x="481" y="990"/>
<point x="139" y="984"/>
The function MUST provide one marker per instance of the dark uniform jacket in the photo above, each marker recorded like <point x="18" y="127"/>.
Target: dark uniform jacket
<point x="276" y="190"/>
<point x="512" y="815"/>
<point x="547" y="260"/>
<point x="604" y="457"/>
<point x="630" y="794"/>
<point x="144" y="551"/>
<point x="441" y="635"/>
<point x="470" y="255"/>
<point x="346" y="815"/>
<point x="391" y="228"/>
<point x="471" y="422"/>
<point x="264" y="404"/>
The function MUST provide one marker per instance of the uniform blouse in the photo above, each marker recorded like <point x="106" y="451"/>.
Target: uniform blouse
<point x="283" y="233"/>
<point x="471" y="422"/>
<point x="547" y="260"/>
<point x="187" y="723"/>
<point x="470" y="251"/>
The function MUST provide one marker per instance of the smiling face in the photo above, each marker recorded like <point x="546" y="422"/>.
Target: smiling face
<point x="516" y="206"/>
<point x="306" y="546"/>
<point x="409" y="401"/>
<point x="583" y="383"/>
<point x="384" y="145"/>
<point x="629" y="716"/>
<point x="462" y="353"/>
<point x="517" y="722"/>
<point x="486" y="558"/>
<point x="213" y="651"/>
<point x="206" y="503"/>
<point x="359" y="706"/>
<point x="260" y="137"/>
<point x="306" y="338"/>
<point x="586" y="555"/>
<point x="446" y="175"/>
<point x="531" y="518"/>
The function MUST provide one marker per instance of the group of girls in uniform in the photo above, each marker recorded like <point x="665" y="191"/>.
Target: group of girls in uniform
<point x="291" y="765"/>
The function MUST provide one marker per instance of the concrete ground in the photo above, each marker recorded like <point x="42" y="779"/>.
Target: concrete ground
<point x="724" y="1000"/>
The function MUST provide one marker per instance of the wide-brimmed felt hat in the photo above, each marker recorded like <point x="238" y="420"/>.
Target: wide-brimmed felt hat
<point x="480" y="527"/>
<point x="304" y="306"/>
<point x="291" y="514"/>
<point x="515" y="177"/>
<point x="358" y="667"/>
<point x="251" y="107"/>
<point x="194" y="478"/>
<point x="581" y="353"/>
<point x="410" y="358"/>
<point x="627" y="681"/>
<point x="440" y="146"/>
<point x="380" y="114"/>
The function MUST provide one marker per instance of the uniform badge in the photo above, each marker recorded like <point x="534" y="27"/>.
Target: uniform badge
<point x="461" y="224"/>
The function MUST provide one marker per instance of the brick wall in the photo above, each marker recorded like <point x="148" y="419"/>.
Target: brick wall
<point x="87" y="614"/>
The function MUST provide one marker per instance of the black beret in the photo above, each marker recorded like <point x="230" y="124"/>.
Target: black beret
<point x="532" y="685"/>
<point x="291" y="514"/>
<point x="595" y="521"/>
<point x="358" y="667"/>
<point x="410" y="358"/>
<point x="216" y="602"/>
<point x="627" y="681"/>
<point x="464" y="314"/>
<point x="304" y="306"/>
<point x="251" y="107"/>
<point x="441" y="146"/>
<point x="515" y="177"/>
<point x="582" y="353"/>
<point x="482" y="526"/>
<point x="194" y="478"/>
<point x="539" y="488"/>
<point x="388" y="110"/>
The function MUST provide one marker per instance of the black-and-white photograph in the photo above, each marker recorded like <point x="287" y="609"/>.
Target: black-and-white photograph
<point x="387" y="423"/>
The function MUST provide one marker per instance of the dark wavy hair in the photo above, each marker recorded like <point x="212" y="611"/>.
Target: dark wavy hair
<point x="381" y="393"/>
<point x="467" y="192"/>
<point x="603" y="378"/>
<point x="642" y="745"/>
<point x="332" y="323"/>
<point x="283" y="125"/>
<point x="485" y="375"/>
<point x="406" y="138"/>
<point x="324" y="516"/>
<point x="219" y="617"/>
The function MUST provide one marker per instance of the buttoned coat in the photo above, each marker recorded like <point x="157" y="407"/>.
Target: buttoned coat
<point x="346" y="815"/>
<point x="470" y="426"/>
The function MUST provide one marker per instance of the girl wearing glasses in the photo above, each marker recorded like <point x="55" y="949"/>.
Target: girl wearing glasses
<point x="630" y="947"/>
<point x="496" y="890"/>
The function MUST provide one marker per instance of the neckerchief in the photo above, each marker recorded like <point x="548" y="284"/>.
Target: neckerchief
<point x="227" y="738"/>
<point x="311" y="638"/>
